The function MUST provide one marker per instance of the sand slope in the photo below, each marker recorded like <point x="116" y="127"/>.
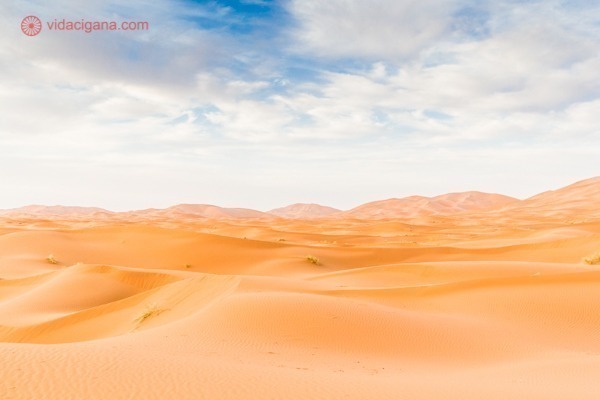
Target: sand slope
<point x="414" y="206"/>
<point x="54" y="210"/>
<point x="304" y="211"/>
<point x="490" y="305"/>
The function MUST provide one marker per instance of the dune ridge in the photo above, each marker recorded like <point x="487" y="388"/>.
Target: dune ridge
<point x="304" y="211"/>
<point x="582" y="195"/>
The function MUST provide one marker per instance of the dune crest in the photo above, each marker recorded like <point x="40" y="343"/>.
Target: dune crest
<point x="304" y="211"/>
<point x="580" y="196"/>
<point x="418" y="206"/>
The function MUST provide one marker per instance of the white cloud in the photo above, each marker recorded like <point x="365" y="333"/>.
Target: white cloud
<point x="402" y="102"/>
<point x="382" y="28"/>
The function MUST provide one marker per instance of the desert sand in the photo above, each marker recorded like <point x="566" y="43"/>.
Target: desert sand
<point x="462" y="296"/>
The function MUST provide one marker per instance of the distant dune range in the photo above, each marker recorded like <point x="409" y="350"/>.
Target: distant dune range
<point x="581" y="196"/>
<point x="307" y="211"/>
<point x="459" y="296"/>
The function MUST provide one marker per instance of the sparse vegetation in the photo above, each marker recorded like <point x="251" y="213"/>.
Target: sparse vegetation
<point x="188" y="265"/>
<point x="152" y="310"/>
<point x="313" y="260"/>
<point x="51" y="259"/>
<point x="593" y="259"/>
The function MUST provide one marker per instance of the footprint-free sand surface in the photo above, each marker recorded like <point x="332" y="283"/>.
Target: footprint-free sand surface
<point x="482" y="305"/>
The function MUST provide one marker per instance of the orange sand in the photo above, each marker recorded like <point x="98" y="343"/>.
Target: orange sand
<point x="477" y="304"/>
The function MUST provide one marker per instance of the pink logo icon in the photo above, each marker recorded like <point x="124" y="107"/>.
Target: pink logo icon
<point x="31" y="25"/>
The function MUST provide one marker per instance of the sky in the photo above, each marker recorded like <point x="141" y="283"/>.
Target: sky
<point x="260" y="104"/>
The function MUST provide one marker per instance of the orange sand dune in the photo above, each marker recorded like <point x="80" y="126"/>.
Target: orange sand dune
<point x="174" y="305"/>
<point x="304" y="211"/>
<point x="414" y="206"/>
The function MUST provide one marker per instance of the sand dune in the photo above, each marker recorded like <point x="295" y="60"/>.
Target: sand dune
<point x="40" y="210"/>
<point x="304" y="211"/>
<point x="414" y="206"/>
<point x="205" y="211"/>
<point x="196" y="302"/>
<point x="581" y="199"/>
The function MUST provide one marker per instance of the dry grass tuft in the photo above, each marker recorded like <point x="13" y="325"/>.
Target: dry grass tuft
<point x="152" y="310"/>
<point x="51" y="259"/>
<point x="593" y="259"/>
<point x="313" y="260"/>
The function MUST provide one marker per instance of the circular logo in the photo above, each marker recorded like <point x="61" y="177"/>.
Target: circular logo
<point x="31" y="25"/>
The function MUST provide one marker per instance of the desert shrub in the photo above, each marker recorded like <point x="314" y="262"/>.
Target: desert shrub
<point x="150" y="311"/>
<point x="51" y="259"/>
<point x="593" y="259"/>
<point x="313" y="260"/>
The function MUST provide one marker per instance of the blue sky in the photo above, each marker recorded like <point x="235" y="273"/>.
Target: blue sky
<point x="262" y="103"/>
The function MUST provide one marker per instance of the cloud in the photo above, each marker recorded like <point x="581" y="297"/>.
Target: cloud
<point x="381" y="29"/>
<point x="355" y="100"/>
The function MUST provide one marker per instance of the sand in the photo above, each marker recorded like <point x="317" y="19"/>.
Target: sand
<point x="480" y="305"/>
